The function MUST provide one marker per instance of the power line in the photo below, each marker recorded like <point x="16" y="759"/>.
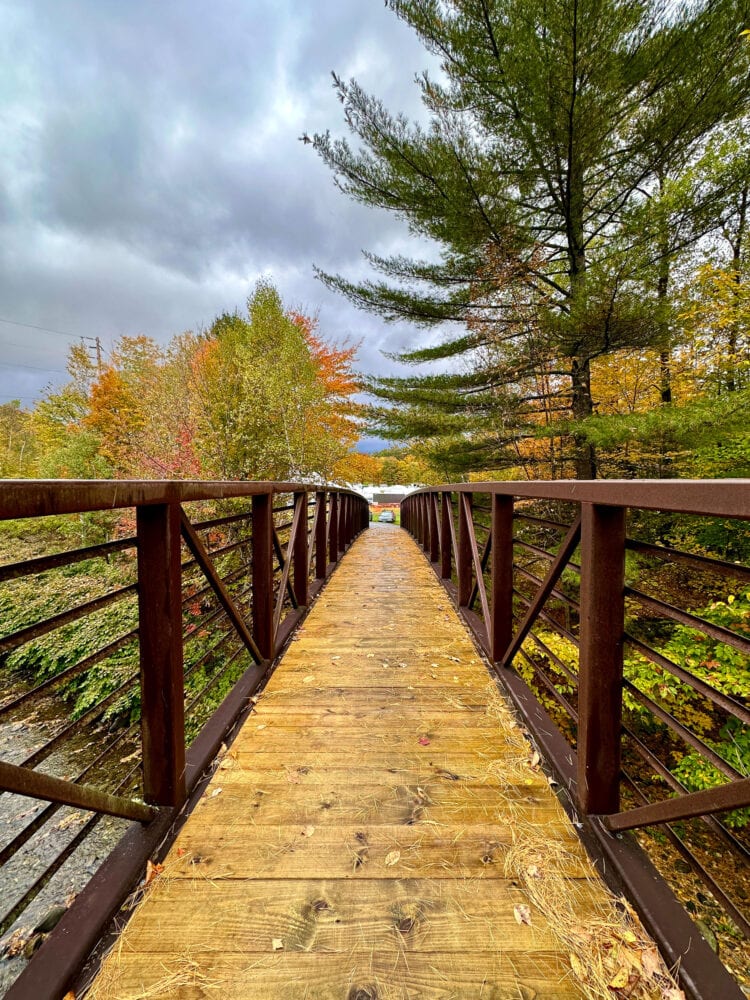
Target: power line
<point x="46" y="329"/>
<point x="36" y="368"/>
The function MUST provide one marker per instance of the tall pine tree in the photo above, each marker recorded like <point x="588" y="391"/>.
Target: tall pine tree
<point x="554" y="123"/>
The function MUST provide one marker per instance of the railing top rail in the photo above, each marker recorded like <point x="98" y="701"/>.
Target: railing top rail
<point x="715" y="497"/>
<point x="40" y="497"/>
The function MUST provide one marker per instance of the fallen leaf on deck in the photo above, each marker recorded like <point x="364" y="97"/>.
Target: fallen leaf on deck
<point x="70" y="995"/>
<point x="522" y="914"/>
<point x="392" y="858"/>
<point x="180" y="852"/>
<point x="261" y="726"/>
<point x="214" y="793"/>
<point x="578" y="967"/>
<point x="424" y="741"/>
<point x="277" y="944"/>
<point x="651" y="961"/>
<point x="620" y="979"/>
<point x="308" y="831"/>
<point x="152" y="872"/>
<point x="533" y="872"/>
<point x="335" y="657"/>
<point x="310" y="677"/>
<point x="535" y="758"/>
<point x="133" y="756"/>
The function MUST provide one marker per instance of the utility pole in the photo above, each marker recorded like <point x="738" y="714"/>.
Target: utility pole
<point x="96" y="350"/>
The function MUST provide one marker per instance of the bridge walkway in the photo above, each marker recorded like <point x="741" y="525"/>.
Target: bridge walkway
<point x="380" y="828"/>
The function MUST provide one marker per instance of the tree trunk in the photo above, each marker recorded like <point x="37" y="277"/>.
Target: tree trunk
<point x="733" y="333"/>
<point x="585" y="455"/>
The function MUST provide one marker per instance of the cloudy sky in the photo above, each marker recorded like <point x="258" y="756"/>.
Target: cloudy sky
<point x="152" y="172"/>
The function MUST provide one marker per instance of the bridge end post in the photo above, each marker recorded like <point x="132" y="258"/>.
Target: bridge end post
<point x="161" y="657"/>
<point x="601" y="657"/>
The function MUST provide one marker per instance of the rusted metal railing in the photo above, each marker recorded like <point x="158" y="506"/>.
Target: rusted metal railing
<point x="206" y="603"/>
<point x="554" y="626"/>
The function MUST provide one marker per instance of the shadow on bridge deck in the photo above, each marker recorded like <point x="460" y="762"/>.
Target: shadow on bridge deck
<point x="379" y="828"/>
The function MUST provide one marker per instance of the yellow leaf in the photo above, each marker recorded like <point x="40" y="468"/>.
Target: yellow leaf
<point x="578" y="967"/>
<point x="393" y="858"/>
<point x="620" y="978"/>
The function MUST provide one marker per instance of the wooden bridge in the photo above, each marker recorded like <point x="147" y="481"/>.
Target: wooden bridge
<point x="375" y="817"/>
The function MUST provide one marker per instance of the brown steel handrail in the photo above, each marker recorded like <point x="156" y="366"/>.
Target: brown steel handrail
<point x="283" y="564"/>
<point x="488" y="587"/>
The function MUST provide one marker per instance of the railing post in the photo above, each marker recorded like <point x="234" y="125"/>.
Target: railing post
<point x="347" y="521"/>
<point x="501" y="576"/>
<point x="342" y="524"/>
<point x="321" y="555"/>
<point x="446" y="513"/>
<point x="299" y="553"/>
<point x="160" y="640"/>
<point x="600" y="664"/>
<point x="262" y="548"/>
<point x="434" y="536"/>
<point x="463" y="557"/>
<point x="333" y="531"/>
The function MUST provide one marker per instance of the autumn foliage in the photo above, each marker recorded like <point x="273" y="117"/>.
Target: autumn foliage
<point x="256" y="396"/>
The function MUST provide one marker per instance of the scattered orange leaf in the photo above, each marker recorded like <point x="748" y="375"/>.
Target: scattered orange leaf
<point x="152" y="872"/>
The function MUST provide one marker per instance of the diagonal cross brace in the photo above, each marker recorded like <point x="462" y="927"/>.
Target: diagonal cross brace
<point x="203" y="559"/>
<point x="568" y="547"/>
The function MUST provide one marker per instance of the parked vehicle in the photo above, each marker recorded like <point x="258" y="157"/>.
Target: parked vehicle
<point x="387" y="515"/>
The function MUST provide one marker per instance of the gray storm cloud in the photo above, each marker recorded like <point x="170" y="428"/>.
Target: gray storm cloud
<point x="153" y="172"/>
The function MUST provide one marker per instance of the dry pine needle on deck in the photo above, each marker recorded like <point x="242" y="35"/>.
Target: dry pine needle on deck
<point x="380" y="830"/>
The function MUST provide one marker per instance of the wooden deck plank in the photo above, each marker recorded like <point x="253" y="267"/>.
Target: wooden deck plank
<point x="353" y="842"/>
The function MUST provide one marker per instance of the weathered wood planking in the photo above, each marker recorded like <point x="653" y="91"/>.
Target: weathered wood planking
<point x="352" y="842"/>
